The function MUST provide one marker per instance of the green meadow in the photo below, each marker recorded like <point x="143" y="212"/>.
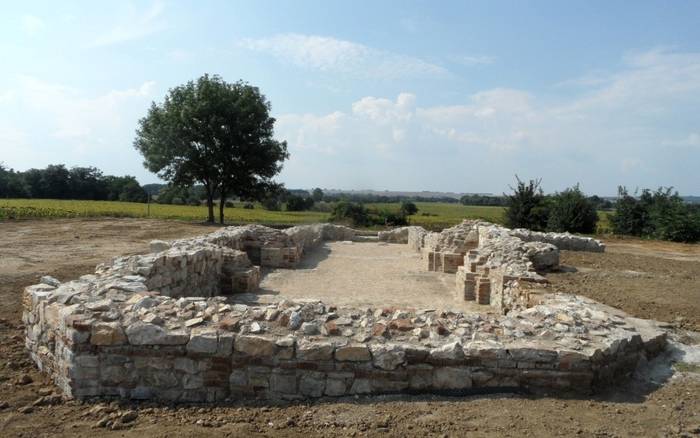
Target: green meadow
<point x="430" y="214"/>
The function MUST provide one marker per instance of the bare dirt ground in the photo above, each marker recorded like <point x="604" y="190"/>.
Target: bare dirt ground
<point x="364" y="274"/>
<point x="647" y="279"/>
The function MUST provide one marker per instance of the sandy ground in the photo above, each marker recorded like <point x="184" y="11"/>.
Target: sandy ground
<point x="364" y="274"/>
<point x="646" y="279"/>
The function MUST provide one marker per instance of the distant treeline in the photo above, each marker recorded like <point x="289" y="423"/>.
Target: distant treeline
<point x="502" y="201"/>
<point x="368" y="198"/>
<point x="660" y="214"/>
<point x="58" y="182"/>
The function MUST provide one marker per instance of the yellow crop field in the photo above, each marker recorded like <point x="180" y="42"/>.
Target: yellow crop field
<point x="53" y="208"/>
<point x="431" y="215"/>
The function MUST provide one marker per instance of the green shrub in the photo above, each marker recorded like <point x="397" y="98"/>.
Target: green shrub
<point x="351" y="213"/>
<point x="299" y="203"/>
<point x="391" y="219"/>
<point x="661" y="215"/>
<point x="408" y="208"/>
<point x="249" y="206"/>
<point x="527" y="206"/>
<point x="630" y="217"/>
<point x="271" y="203"/>
<point x="572" y="211"/>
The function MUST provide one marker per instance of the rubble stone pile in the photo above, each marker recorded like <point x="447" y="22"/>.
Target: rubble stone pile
<point x="163" y="326"/>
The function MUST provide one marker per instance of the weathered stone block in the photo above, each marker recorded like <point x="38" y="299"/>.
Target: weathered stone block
<point x="203" y="342"/>
<point x="312" y="383"/>
<point x="141" y="333"/>
<point x="452" y="378"/>
<point x="387" y="356"/>
<point x="256" y="346"/>
<point x="315" y="351"/>
<point x="283" y="381"/>
<point x="107" y="333"/>
<point x="353" y="353"/>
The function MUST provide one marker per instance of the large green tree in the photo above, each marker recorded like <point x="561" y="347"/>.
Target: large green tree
<point x="216" y="133"/>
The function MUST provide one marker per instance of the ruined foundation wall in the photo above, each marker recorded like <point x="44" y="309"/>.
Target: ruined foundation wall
<point x="399" y="235"/>
<point x="488" y="259"/>
<point x="117" y="334"/>
<point x="563" y="241"/>
<point x="218" y="357"/>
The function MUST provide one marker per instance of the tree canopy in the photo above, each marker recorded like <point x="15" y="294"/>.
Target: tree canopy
<point x="215" y="133"/>
<point x="57" y="182"/>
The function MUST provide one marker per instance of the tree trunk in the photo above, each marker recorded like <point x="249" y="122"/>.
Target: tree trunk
<point x="210" y="203"/>
<point x="221" y="207"/>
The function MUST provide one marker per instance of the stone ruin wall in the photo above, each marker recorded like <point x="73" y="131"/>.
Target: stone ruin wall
<point x="491" y="263"/>
<point x="139" y="328"/>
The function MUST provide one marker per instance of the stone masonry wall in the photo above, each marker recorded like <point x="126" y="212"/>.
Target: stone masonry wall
<point x="116" y="334"/>
<point x="488" y="260"/>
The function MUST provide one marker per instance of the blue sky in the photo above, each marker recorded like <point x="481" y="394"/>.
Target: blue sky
<point x="398" y="95"/>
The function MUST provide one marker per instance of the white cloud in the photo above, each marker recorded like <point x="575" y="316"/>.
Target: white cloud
<point x="327" y="54"/>
<point x="691" y="141"/>
<point x="32" y="25"/>
<point x="137" y="25"/>
<point x="615" y="132"/>
<point x="309" y="132"/>
<point x="473" y="60"/>
<point x="43" y="122"/>
<point x="649" y="81"/>
<point x="385" y="111"/>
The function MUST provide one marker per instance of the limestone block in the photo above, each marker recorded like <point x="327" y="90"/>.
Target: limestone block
<point x="312" y="383"/>
<point x="158" y="245"/>
<point x="224" y="346"/>
<point x="50" y="281"/>
<point x="283" y="381"/>
<point x="107" y="333"/>
<point x="256" y="346"/>
<point x="451" y="352"/>
<point x="353" y="353"/>
<point x="203" y="342"/>
<point x="387" y="356"/>
<point x="335" y="387"/>
<point x="141" y="333"/>
<point x="452" y="378"/>
<point x="315" y="350"/>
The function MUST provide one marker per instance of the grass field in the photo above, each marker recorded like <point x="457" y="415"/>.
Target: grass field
<point x="53" y="208"/>
<point x="430" y="214"/>
<point x="437" y="215"/>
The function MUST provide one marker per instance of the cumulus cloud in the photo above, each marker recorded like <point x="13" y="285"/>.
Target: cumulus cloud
<point x="615" y="130"/>
<point x="136" y="25"/>
<point x="332" y="55"/>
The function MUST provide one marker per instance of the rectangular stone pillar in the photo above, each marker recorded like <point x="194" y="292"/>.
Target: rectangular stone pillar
<point x="465" y="288"/>
<point x="483" y="291"/>
<point x="451" y="261"/>
<point x="245" y="280"/>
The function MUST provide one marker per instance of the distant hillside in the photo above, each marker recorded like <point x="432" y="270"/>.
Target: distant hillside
<point x="406" y="194"/>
